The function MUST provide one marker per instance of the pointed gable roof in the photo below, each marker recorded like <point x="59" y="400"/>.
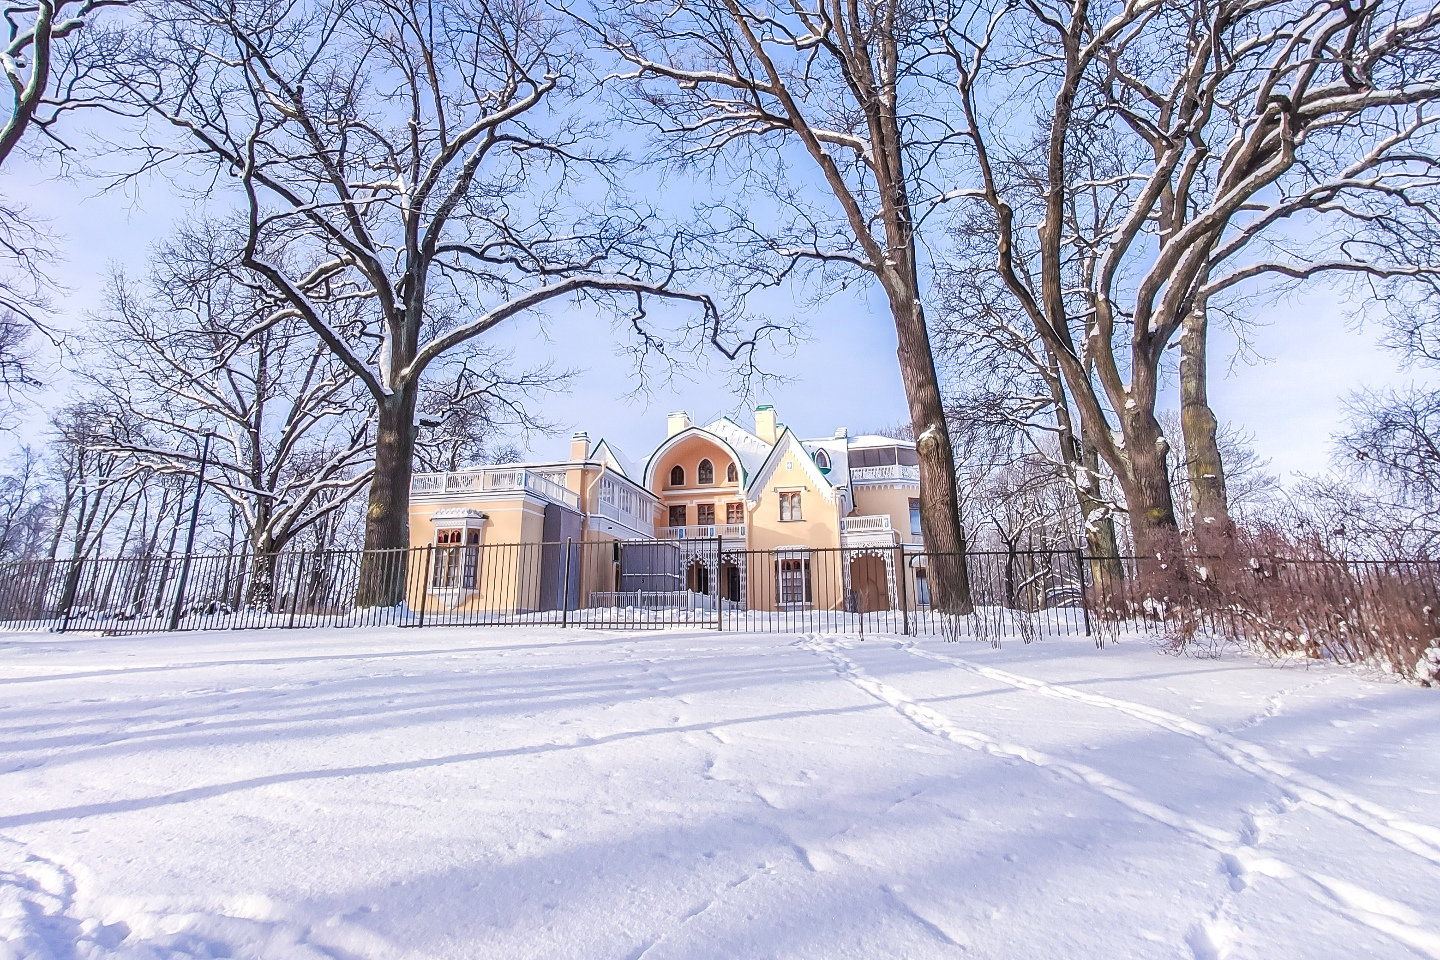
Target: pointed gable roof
<point x="788" y="444"/>
<point x="607" y="453"/>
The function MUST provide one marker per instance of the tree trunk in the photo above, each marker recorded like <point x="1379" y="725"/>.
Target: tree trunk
<point x="1107" y="571"/>
<point x="260" y="592"/>
<point x="1212" y="531"/>
<point x="1151" y="506"/>
<point x="387" y="518"/>
<point x="939" y="501"/>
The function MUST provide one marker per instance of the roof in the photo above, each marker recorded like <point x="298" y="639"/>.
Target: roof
<point x="787" y="442"/>
<point x="607" y="452"/>
<point x="834" y="447"/>
<point x="873" y="440"/>
<point x="751" y="450"/>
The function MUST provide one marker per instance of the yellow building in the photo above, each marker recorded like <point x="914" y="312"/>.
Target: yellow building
<point x="759" y="518"/>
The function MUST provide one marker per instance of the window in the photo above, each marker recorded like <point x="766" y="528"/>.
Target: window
<point x="914" y="517"/>
<point x="822" y="460"/>
<point x="793" y="580"/>
<point x="790" y="506"/>
<point x="732" y="475"/>
<point x="734" y="513"/>
<point x="457" y="559"/>
<point x="705" y="514"/>
<point x="922" y="587"/>
<point x="884" y="457"/>
<point x="873" y="457"/>
<point x="705" y="473"/>
<point x="677" y="516"/>
<point x="677" y="476"/>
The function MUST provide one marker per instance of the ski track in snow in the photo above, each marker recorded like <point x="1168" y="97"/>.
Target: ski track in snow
<point x="1212" y="937"/>
<point x="1421" y="840"/>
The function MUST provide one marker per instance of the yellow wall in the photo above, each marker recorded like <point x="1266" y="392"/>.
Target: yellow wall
<point x="506" y="578"/>
<point x="819" y="528"/>
<point x="871" y="501"/>
<point x="688" y="453"/>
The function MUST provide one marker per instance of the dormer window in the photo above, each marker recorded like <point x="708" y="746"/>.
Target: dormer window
<point x="731" y="474"/>
<point x="677" y="476"/>
<point x="822" y="460"/>
<point x="705" y="473"/>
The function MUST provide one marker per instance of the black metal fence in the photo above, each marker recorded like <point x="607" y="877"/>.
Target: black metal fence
<point x="707" y="583"/>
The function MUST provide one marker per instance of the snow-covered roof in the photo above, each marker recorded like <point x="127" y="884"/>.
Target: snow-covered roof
<point x="607" y="452"/>
<point x="835" y="450"/>
<point x="787" y="443"/>
<point x="751" y="450"/>
<point x="876" y="440"/>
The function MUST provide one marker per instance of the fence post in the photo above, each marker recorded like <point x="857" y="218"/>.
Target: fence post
<point x="69" y="592"/>
<point x="1084" y="597"/>
<point x="179" y="607"/>
<point x="719" y="584"/>
<point x="565" y="586"/>
<point x="425" y="582"/>
<point x="903" y="572"/>
<point x="299" y="581"/>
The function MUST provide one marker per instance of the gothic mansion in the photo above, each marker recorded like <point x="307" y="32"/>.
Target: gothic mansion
<point x="718" y="510"/>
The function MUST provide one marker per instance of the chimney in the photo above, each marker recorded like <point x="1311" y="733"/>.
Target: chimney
<point x="841" y="433"/>
<point x="765" y="426"/>
<point x="676" y="422"/>
<point x="579" y="446"/>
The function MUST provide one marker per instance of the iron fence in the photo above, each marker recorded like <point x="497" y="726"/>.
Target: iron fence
<point x="716" y="584"/>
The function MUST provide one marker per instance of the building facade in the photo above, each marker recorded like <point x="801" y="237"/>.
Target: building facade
<point x="741" y="516"/>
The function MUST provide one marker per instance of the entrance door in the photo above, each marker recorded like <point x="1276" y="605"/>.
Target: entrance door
<point x="697" y="578"/>
<point x="867" y="579"/>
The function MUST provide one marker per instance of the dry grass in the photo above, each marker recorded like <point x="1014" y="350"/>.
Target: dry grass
<point x="1308" y="604"/>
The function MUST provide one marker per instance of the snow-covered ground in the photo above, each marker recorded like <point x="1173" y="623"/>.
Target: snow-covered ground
<point x="516" y="793"/>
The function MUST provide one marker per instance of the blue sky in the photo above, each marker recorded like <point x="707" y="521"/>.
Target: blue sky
<point x="845" y="374"/>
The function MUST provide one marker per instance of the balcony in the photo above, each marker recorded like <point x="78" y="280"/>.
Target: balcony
<point x="890" y="473"/>
<point x="463" y="484"/>
<point x="729" y="531"/>
<point x="867" y="531"/>
<point x="627" y="506"/>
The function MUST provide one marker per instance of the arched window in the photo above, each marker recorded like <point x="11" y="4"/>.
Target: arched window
<point x="822" y="459"/>
<point x="731" y="474"/>
<point x="677" y="476"/>
<point x="705" y="473"/>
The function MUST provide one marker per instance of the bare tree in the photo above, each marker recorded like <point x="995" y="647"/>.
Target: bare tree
<point x="27" y="508"/>
<point x="49" y="50"/>
<point x="471" y="403"/>
<point x="41" y="64"/>
<point x="822" y="107"/>
<point x="1185" y="153"/>
<point x="425" y="159"/>
<point x="1251" y="490"/>
<point x="96" y="484"/>
<point x="1010" y="384"/>
<point x="201" y="346"/>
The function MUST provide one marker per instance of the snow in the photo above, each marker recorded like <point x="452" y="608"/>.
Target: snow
<point x="538" y="792"/>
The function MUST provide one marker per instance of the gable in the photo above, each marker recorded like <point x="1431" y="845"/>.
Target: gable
<point x="788" y="448"/>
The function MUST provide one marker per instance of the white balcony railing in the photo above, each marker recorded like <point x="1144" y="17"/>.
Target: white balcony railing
<point x="875" y="524"/>
<point x="626" y="505"/>
<point x="894" y="471"/>
<point x="456" y="485"/>
<point x="868" y="531"/>
<point x="730" y="531"/>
